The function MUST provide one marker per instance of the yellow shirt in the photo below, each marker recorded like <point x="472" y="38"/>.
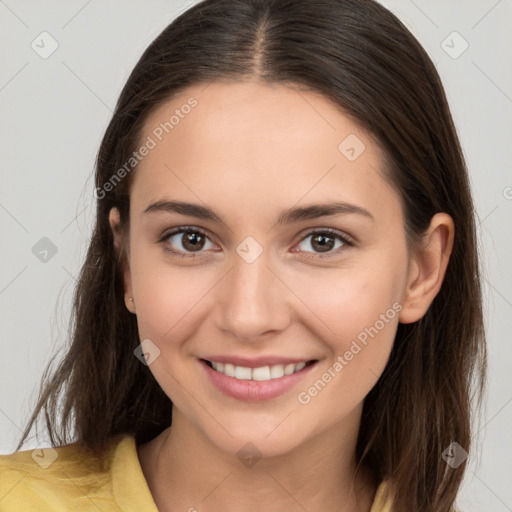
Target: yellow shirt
<point x="64" y="479"/>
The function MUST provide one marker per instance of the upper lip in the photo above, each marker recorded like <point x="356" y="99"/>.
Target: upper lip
<point x="256" y="362"/>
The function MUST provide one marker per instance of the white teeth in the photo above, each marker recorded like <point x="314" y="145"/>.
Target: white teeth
<point x="243" y="373"/>
<point x="229" y="370"/>
<point x="262" y="373"/>
<point x="276" y="371"/>
<point x="218" y="366"/>
<point x="300" y="366"/>
<point x="289" y="369"/>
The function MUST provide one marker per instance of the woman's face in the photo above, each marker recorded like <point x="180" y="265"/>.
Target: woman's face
<point x="257" y="287"/>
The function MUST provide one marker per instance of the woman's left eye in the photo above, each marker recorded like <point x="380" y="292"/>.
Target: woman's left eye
<point x="325" y="240"/>
<point x="193" y="240"/>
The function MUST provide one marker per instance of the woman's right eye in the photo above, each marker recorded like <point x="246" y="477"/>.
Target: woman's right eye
<point x="190" y="239"/>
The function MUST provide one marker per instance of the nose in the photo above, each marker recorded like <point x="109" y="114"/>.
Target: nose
<point x="252" y="301"/>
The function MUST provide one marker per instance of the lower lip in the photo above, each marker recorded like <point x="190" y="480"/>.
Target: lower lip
<point x="255" y="390"/>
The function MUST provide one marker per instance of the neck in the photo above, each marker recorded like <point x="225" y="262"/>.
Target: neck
<point x="185" y="471"/>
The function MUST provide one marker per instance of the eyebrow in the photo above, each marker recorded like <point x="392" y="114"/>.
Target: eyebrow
<point x="287" y="216"/>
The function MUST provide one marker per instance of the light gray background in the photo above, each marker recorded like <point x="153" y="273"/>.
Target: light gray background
<point x="54" y="113"/>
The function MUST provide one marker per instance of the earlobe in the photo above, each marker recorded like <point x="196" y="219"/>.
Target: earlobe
<point x="114" y="220"/>
<point x="122" y="257"/>
<point x="428" y="268"/>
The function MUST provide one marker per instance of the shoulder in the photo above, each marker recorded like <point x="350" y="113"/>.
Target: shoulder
<point x="67" y="477"/>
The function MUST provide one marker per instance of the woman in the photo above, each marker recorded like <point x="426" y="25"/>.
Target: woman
<point x="280" y="305"/>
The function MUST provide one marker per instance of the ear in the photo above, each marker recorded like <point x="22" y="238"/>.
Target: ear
<point x="427" y="268"/>
<point x="119" y="244"/>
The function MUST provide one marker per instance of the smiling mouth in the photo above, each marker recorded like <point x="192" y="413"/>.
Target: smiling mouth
<point x="262" y="373"/>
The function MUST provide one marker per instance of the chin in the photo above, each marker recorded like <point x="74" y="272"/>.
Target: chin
<point x="256" y="439"/>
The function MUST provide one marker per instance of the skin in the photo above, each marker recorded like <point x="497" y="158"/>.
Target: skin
<point x="250" y="150"/>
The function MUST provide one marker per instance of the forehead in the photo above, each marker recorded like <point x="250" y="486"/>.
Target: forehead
<point x="259" y="144"/>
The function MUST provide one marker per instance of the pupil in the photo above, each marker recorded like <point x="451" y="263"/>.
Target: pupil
<point x="323" y="245"/>
<point x="194" y="239"/>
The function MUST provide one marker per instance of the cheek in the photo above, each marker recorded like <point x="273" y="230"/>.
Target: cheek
<point x="169" y="298"/>
<point x="356" y="312"/>
<point x="347" y="301"/>
<point x="362" y="316"/>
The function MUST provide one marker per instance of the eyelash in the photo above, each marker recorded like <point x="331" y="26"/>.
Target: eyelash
<point x="345" y="239"/>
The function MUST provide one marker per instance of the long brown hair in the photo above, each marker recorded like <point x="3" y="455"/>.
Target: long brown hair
<point x="359" y="55"/>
